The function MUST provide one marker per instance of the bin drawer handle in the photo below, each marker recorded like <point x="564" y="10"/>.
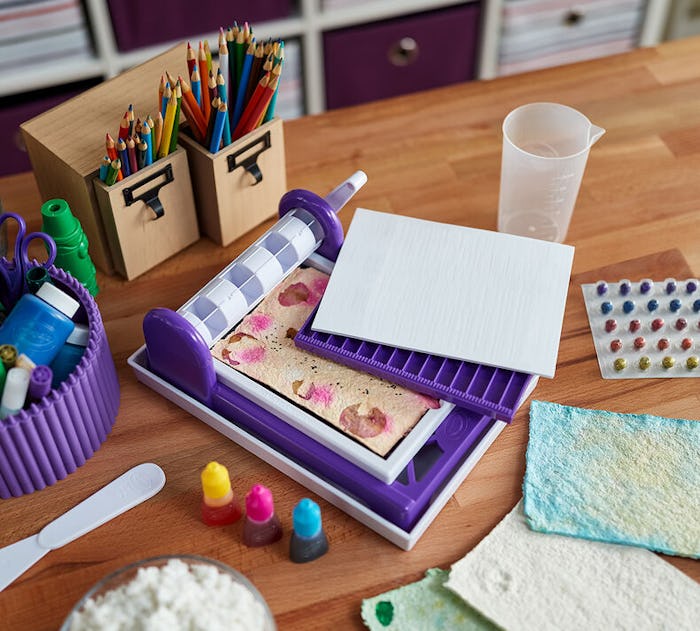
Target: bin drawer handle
<point x="404" y="52"/>
<point x="150" y="197"/>
<point x="573" y="17"/>
<point x="250" y="162"/>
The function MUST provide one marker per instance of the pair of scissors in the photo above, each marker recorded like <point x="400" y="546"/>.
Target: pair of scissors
<point x="13" y="271"/>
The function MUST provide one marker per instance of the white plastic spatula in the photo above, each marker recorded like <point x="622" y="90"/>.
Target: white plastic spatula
<point x="128" y="490"/>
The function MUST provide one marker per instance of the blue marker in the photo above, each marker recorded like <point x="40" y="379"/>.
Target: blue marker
<point x="308" y="540"/>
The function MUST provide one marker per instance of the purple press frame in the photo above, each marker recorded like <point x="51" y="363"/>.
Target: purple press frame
<point x="178" y="353"/>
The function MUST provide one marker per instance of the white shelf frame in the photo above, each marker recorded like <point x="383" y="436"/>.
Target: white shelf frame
<point x="308" y="25"/>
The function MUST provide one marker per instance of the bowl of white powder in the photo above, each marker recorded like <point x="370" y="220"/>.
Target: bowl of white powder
<point x="173" y="593"/>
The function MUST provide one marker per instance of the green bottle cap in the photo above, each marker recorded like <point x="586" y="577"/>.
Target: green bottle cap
<point x="71" y="243"/>
<point x="36" y="277"/>
<point x="58" y="220"/>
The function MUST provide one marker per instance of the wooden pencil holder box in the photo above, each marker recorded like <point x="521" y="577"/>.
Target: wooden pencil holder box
<point x="240" y="186"/>
<point x="66" y="144"/>
<point x="150" y="215"/>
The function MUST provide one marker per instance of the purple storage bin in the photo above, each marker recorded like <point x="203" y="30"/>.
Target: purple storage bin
<point x="139" y="24"/>
<point x="399" y="56"/>
<point x="51" y="438"/>
<point x="17" y="109"/>
<point x="496" y="392"/>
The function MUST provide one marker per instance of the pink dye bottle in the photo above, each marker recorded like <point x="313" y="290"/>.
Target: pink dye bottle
<point x="262" y="526"/>
<point x="219" y="505"/>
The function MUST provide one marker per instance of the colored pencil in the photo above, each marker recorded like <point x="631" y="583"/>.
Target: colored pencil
<point x="207" y="54"/>
<point x="112" y="153"/>
<point x="240" y="94"/>
<point x="221" y="87"/>
<point x="131" y="151"/>
<point x="123" y="157"/>
<point x="239" y="52"/>
<point x="157" y="135"/>
<point x="146" y="136"/>
<point x="124" y="126"/>
<point x="255" y="71"/>
<point x="167" y="93"/>
<point x="221" y="117"/>
<point x="256" y="106"/>
<point x="164" y="145"/>
<point x="191" y="60"/>
<point x="130" y="114"/>
<point x="142" y="150"/>
<point x="203" y="77"/>
<point x="176" y="125"/>
<point x="230" y="43"/>
<point x="223" y="66"/>
<point x="113" y="172"/>
<point x="196" y="87"/>
<point x="104" y="167"/>
<point x="212" y="120"/>
<point x="192" y="111"/>
<point x="161" y="89"/>
<point x="211" y="87"/>
<point x="270" y="111"/>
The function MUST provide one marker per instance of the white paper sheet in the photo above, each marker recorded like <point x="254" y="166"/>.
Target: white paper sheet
<point x="523" y="580"/>
<point x="457" y="292"/>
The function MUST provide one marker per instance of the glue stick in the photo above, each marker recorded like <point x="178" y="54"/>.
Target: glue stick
<point x="219" y="505"/>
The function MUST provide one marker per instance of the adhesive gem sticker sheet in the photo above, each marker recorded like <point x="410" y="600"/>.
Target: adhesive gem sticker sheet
<point x="646" y="329"/>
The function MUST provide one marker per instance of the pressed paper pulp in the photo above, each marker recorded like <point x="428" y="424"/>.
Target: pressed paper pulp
<point x="422" y="606"/>
<point x="373" y="411"/>
<point x="524" y="580"/>
<point x="623" y="478"/>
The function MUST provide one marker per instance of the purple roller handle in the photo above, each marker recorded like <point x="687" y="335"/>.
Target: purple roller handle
<point x="325" y="210"/>
<point x="40" y="382"/>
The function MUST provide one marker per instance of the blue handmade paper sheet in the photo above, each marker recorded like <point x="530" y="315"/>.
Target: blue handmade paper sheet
<point x="621" y="478"/>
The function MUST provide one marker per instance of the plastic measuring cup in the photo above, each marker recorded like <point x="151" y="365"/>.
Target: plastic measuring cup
<point x="545" y="148"/>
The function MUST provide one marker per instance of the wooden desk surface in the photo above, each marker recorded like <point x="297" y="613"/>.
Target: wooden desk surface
<point x="434" y="155"/>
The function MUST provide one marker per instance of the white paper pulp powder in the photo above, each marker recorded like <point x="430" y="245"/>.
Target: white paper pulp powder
<point x="174" y="597"/>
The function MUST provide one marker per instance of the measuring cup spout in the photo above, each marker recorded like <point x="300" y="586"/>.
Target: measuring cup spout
<point x="594" y="134"/>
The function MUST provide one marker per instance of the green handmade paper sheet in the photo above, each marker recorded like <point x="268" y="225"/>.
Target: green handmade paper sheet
<point x="422" y="606"/>
<point x="621" y="478"/>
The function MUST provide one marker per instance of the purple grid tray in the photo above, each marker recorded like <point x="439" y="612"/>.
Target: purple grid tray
<point x="177" y="353"/>
<point x="54" y="436"/>
<point x="487" y="390"/>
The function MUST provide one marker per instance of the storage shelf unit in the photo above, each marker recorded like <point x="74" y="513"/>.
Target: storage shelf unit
<point x="308" y="23"/>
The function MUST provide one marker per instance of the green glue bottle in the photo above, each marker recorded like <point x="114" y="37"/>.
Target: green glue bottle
<point x="71" y="243"/>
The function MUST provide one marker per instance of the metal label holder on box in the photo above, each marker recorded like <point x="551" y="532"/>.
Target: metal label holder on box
<point x="177" y="362"/>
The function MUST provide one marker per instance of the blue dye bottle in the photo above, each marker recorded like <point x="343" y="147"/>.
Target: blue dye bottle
<point x="39" y="324"/>
<point x="308" y="540"/>
<point x="70" y="354"/>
